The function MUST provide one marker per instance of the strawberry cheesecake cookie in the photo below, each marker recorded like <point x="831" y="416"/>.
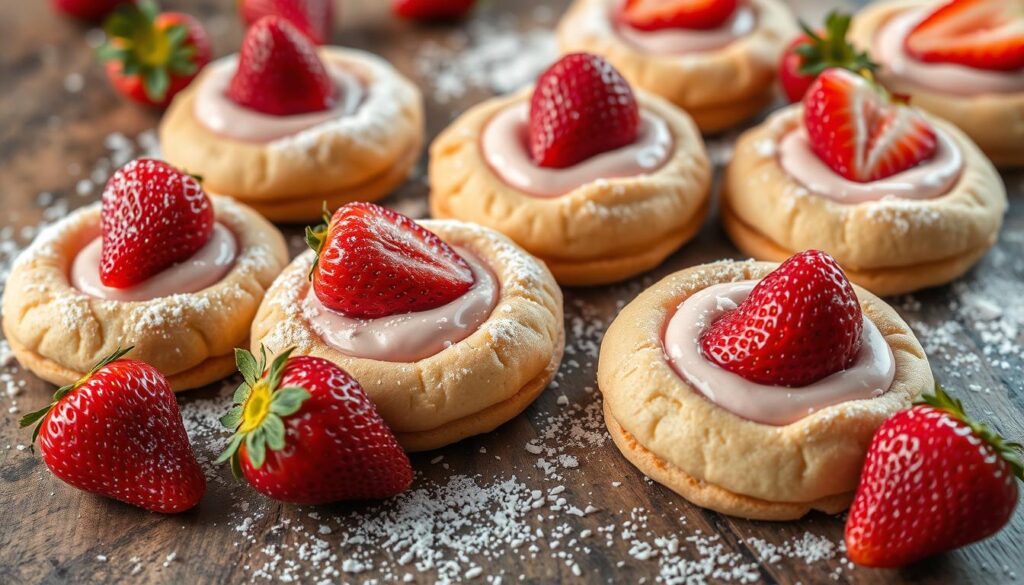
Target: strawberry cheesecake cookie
<point x="156" y="264"/>
<point x="598" y="181"/>
<point x="716" y="59"/>
<point x="754" y="389"/>
<point x="961" y="60"/>
<point x="901" y="199"/>
<point x="284" y="126"/>
<point x="450" y="327"/>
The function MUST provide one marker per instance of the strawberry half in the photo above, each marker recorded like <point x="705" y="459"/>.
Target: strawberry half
<point x="983" y="34"/>
<point x="151" y="56"/>
<point x="374" y="262"/>
<point x="314" y="18"/>
<point x="581" y="106"/>
<point x="117" y="432"/>
<point x="306" y="433"/>
<point x="152" y="216"/>
<point x="800" y="324"/>
<point x="279" y="72"/>
<point x="813" y="52"/>
<point x="934" y="480"/>
<point x="860" y="132"/>
<point x="693" y="14"/>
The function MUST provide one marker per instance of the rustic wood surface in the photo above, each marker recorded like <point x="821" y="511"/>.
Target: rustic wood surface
<point x="52" y="129"/>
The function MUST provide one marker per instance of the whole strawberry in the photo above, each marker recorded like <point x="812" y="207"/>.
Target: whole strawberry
<point x="374" y="262"/>
<point x="306" y="433"/>
<point x="653" y="15"/>
<point x="117" y="432"/>
<point x="91" y="10"/>
<point x="934" y="480"/>
<point x="428" y="10"/>
<point x="152" y="216"/>
<point x="813" y="52"/>
<point x="153" y="55"/>
<point x="279" y="72"/>
<point x="801" y="323"/>
<point x="314" y="18"/>
<point x="580" y="107"/>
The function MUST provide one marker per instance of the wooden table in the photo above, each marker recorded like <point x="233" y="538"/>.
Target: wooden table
<point x="56" y="119"/>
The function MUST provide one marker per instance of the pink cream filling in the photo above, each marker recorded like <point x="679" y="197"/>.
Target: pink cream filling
<point x="927" y="180"/>
<point x="870" y="376"/>
<point x="504" y="140"/>
<point x="904" y="73"/>
<point x="408" y="337"/>
<point x="226" y="118"/>
<point x="205" y="268"/>
<point x="679" y="41"/>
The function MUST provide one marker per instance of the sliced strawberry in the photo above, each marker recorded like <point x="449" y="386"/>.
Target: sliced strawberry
<point x="117" y="432"/>
<point x="314" y="18"/>
<point x="581" y="106"/>
<point x="279" y="72"/>
<point x="860" y="132"/>
<point x="933" y="480"/>
<point x="813" y="52"/>
<point x="983" y="34"/>
<point x="692" y="14"/>
<point x="305" y="432"/>
<point x="152" y="216"/>
<point x="800" y="324"/>
<point x="374" y="262"/>
<point x="432" y="9"/>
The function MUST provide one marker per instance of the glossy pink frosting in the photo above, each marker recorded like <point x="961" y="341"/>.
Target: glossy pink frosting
<point x="408" y="337"/>
<point x="226" y="118"/>
<point x="679" y="41"/>
<point x="902" y="72"/>
<point x="927" y="180"/>
<point x="869" y="376"/>
<point x="504" y="141"/>
<point x="205" y="268"/>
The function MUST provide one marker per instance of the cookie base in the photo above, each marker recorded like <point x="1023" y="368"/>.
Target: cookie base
<point x="711" y="496"/>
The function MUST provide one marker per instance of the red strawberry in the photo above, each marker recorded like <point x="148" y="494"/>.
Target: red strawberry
<point x="279" y="72"/>
<point x="934" y="480"/>
<point x="812" y="52"/>
<point x="306" y="433"/>
<point x="984" y="34"/>
<point x="314" y="18"/>
<point x="117" y="432"/>
<point x="858" y="131"/>
<point x="581" y="106"/>
<point x="800" y="324"/>
<point x="374" y="262"/>
<point x="693" y="14"/>
<point x="91" y="10"/>
<point x="151" y="56"/>
<point x="152" y="216"/>
<point x="432" y="9"/>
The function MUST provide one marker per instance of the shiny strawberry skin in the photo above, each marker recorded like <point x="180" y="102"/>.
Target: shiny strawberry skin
<point x="794" y="84"/>
<point x="314" y="18"/>
<point x="580" y="107"/>
<point x="152" y="216"/>
<point x="374" y="262"/>
<point x="929" y="484"/>
<point x="279" y="71"/>
<point x="337" y="447"/>
<point x="800" y="324"/>
<point x="432" y="9"/>
<point x="651" y="15"/>
<point x="120" y="435"/>
<point x="90" y="10"/>
<point x="982" y="34"/>
<point x="859" y="132"/>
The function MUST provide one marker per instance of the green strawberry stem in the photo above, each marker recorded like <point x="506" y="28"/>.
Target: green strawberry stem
<point x="831" y="48"/>
<point x="1011" y="452"/>
<point x="316" y="236"/>
<point x="258" y="410"/>
<point x="36" y="417"/>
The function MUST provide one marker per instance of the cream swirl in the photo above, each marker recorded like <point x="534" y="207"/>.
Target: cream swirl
<point x="679" y="41"/>
<point x="868" y="377"/>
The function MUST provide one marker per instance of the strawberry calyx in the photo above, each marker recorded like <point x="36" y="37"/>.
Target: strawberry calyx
<point x="259" y="408"/>
<point x="1010" y="451"/>
<point x="144" y="48"/>
<point x="316" y="236"/>
<point x="830" y="48"/>
<point x="37" y="416"/>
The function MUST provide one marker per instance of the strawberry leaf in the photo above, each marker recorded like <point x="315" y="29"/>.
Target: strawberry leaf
<point x="287" y="401"/>
<point x="233" y="418"/>
<point x="277" y="369"/>
<point x="256" y="447"/>
<point x="250" y="371"/>
<point x="273" y="428"/>
<point x="232" y="448"/>
<point x="156" y="81"/>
